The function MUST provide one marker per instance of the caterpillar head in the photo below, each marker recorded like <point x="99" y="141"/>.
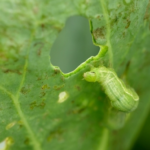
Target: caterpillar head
<point x="90" y="76"/>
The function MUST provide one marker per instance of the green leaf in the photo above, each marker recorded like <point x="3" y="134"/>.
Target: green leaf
<point x="42" y="108"/>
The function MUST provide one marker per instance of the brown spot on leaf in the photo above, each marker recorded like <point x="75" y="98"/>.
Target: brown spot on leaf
<point x="55" y="135"/>
<point x="99" y="33"/>
<point x="76" y="110"/>
<point x="58" y="87"/>
<point x="56" y="71"/>
<point x="12" y="71"/>
<point x="98" y="17"/>
<point x="62" y="78"/>
<point x="24" y="90"/>
<point x="39" y="78"/>
<point x="26" y="141"/>
<point x="57" y="27"/>
<point x="39" y="52"/>
<point x="147" y="13"/>
<point x="128" y="23"/>
<point x="3" y="56"/>
<point x="39" y="45"/>
<point x="43" y="94"/>
<point x="40" y="105"/>
<point x="33" y="104"/>
<point x="114" y="20"/>
<point x="45" y="87"/>
<point x="20" y="123"/>
<point x="124" y="34"/>
<point x="78" y="87"/>
<point x="43" y="25"/>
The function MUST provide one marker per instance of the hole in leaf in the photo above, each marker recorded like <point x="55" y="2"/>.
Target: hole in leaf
<point x="73" y="45"/>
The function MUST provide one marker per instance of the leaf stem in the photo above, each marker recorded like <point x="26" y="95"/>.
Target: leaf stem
<point x="104" y="139"/>
<point x="106" y="17"/>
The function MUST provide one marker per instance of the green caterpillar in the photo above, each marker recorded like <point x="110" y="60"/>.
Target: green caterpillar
<point x="122" y="98"/>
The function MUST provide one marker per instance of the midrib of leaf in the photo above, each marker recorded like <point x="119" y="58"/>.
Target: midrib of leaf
<point x="15" y="99"/>
<point x="105" y="13"/>
<point x="105" y="135"/>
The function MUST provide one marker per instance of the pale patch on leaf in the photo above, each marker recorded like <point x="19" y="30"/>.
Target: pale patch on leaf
<point x="63" y="96"/>
<point x="4" y="145"/>
<point x="10" y="125"/>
